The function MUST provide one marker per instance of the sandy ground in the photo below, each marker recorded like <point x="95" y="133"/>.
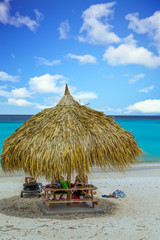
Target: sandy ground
<point x="135" y="217"/>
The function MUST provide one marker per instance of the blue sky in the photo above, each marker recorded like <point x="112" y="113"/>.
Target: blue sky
<point x="107" y="51"/>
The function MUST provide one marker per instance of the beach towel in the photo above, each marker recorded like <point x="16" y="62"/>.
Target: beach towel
<point x="116" y="194"/>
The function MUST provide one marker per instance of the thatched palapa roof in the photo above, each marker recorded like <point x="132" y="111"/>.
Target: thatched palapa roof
<point x="68" y="138"/>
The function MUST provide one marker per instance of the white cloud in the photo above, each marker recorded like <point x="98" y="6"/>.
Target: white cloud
<point x="43" y="61"/>
<point x="147" y="106"/>
<point x="129" y="53"/>
<point x="84" y="95"/>
<point x="136" y="78"/>
<point x="4" y="93"/>
<point x="114" y="110"/>
<point x="15" y="93"/>
<point x="43" y="84"/>
<point x="4" y="11"/>
<point x="6" y="77"/>
<point x="41" y="107"/>
<point x="3" y="87"/>
<point x="95" y="28"/>
<point x="46" y="83"/>
<point x="53" y="100"/>
<point x="64" y="29"/>
<point x="20" y="93"/>
<point x="18" y="20"/>
<point x="147" y="89"/>
<point x="39" y="15"/>
<point x="83" y="59"/>
<point x="18" y="102"/>
<point x="149" y="25"/>
<point x="127" y="75"/>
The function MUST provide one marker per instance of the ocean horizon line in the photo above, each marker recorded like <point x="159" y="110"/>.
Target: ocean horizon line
<point x="24" y="117"/>
<point x="149" y="115"/>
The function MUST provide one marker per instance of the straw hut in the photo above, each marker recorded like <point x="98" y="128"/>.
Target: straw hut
<point x="68" y="138"/>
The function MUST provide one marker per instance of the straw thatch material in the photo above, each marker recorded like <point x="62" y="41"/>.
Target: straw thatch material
<point x="68" y="138"/>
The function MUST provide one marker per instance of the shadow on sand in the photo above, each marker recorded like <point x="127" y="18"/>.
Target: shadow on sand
<point x="27" y="207"/>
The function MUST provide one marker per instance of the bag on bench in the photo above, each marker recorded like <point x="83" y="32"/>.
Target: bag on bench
<point x="30" y="186"/>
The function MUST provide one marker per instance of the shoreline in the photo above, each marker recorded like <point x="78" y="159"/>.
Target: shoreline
<point x="135" y="168"/>
<point x="145" y="163"/>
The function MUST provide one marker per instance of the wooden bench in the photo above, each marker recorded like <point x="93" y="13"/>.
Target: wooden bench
<point x="87" y="191"/>
<point x="48" y="202"/>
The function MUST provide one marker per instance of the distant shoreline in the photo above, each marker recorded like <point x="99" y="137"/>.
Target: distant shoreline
<point x="24" y="117"/>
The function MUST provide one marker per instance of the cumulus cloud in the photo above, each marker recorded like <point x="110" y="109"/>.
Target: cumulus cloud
<point x="147" y="89"/>
<point x="147" y="106"/>
<point x="64" y="29"/>
<point x="47" y="83"/>
<point x="85" y="95"/>
<point x="43" y="61"/>
<point x="52" y="100"/>
<point x="19" y="102"/>
<point x="95" y="28"/>
<point x="130" y="53"/>
<point x="43" y="84"/>
<point x="20" y="93"/>
<point x="149" y="26"/>
<point x="18" y="20"/>
<point x="83" y="59"/>
<point x="4" y="93"/>
<point x="41" y="107"/>
<point x="135" y="78"/>
<point x="3" y="87"/>
<point x="6" y="77"/>
<point x="4" y="11"/>
<point x="15" y="93"/>
<point x="39" y="15"/>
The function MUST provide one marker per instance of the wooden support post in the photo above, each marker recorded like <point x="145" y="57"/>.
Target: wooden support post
<point x="69" y="186"/>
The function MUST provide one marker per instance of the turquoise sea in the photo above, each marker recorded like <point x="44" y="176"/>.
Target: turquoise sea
<point x="146" y="130"/>
<point x="147" y="134"/>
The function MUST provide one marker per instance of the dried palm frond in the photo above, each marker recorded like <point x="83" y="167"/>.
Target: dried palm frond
<point x="68" y="138"/>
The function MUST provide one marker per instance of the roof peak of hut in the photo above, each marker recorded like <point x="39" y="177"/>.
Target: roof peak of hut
<point x="67" y="90"/>
<point x="67" y="99"/>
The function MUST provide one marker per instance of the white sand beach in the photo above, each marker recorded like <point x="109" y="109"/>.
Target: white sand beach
<point x="135" y="217"/>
